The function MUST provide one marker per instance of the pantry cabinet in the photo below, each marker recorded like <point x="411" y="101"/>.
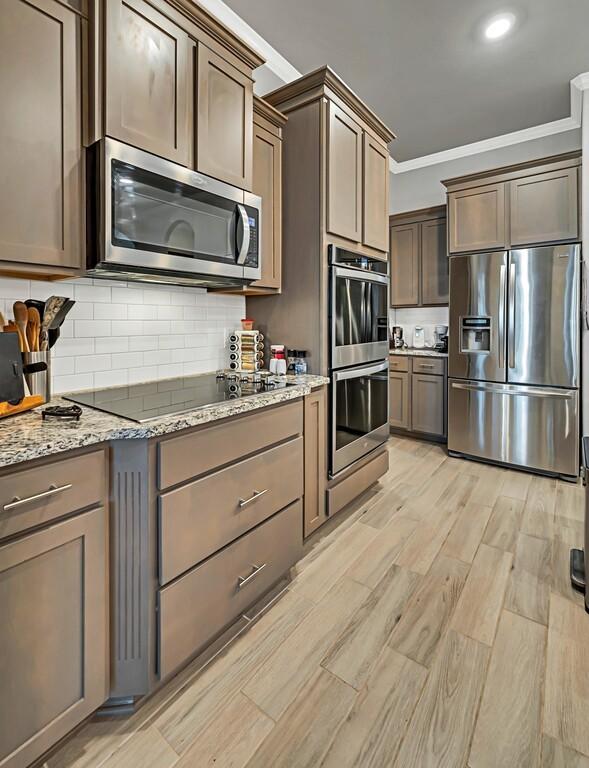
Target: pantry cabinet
<point x="42" y="198"/>
<point x="344" y="175"/>
<point x="375" y="201"/>
<point x="532" y="203"/>
<point x="419" y="268"/>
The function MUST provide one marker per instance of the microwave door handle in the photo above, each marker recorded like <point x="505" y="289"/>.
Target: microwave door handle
<point x="245" y="243"/>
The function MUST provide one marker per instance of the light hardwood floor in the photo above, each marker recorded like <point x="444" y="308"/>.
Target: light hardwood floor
<point x="434" y="628"/>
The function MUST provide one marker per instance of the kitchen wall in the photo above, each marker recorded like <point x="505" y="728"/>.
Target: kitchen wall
<point x="119" y="333"/>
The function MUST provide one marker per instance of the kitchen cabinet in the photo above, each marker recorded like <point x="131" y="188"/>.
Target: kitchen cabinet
<point x="531" y="203"/>
<point x="375" y="206"/>
<point x="344" y="174"/>
<point x="417" y="395"/>
<point x="54" y="664"/>
<point x="42" y="205"/>
<point x="419" y="269"/>
<point x="315" y="417"/>
<point x="147" y="80"/>
<point x="224" y="120"/>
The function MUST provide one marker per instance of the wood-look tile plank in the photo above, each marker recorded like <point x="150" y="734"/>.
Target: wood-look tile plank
<point x="421" y="505"/>
<point x="488" y="489"/>
<point x="279" y="680"/>
<point x="378" y="557"/>
<point x="570" y="501"/>
<point x="304" y="733"/>
<point x="504" y="523"/>
<point x="356" y="650"/>
<point x="509" y="722"/>
<point x="467" y="533"/>
<point x="516" y="484"/>
<point x="566" y="700"/>
<point x="320" y="576"/>
<point x="440" y="730"/>
<point x="231" y="739"/>
<point x="480" y="603"/>
<point x="388" y="506"/>
<point x="146" y="748"/>
<point x="197" y="706"/>
<point x="538" y="516"/>
<point x="427" y="614"/>
<point x="372" y="732"/>
<point x="556" y="755"/>
<point x="529" y="586"/>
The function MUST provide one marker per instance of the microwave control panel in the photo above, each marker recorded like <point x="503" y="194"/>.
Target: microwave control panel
<point x="251" y="259"/>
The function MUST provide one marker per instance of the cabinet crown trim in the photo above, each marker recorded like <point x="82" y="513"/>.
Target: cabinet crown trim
<point x="273" y="115"/>
<point x="414" y="217"/>
<point x="507" y="172"/>
<point x="325" y="80"/>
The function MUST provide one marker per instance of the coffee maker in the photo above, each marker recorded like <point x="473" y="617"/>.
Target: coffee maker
<point x="441" y="338"/>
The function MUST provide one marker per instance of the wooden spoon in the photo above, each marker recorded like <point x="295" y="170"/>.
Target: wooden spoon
<point x="33" y="328"/>
<point x="2" y="322"/>
<point x="21" y="318"/>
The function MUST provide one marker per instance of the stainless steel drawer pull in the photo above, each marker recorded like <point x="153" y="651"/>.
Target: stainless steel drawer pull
<point x="53" y="489"/>
<point x="243" y="580"/>
<point x="256" y="495"/>
<point x="425" y="365"/>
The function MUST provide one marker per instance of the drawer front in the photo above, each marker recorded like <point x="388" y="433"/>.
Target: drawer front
<point x="353" y="485"/>
<point x="197" y="607"/>
<point x="433" y="365"/>
<point x="32" y="497"/>
<point x="185" y="457"/>
<point x="398" y="363"/>
<point x="200" y="518"/>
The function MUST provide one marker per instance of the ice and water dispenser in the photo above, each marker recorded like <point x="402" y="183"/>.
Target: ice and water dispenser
<point x="475" y="334"/>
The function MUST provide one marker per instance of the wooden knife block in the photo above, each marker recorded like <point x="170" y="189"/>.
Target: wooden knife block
<point x="26" y="404"/>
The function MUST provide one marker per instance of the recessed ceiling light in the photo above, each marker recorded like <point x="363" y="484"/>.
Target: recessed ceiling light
<point x="499" y="26"/>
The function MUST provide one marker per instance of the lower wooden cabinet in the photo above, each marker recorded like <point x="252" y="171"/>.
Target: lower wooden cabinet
<point x="417" y="399"/>
<point x="54" y="639"/>
<point x="315" y="418"/>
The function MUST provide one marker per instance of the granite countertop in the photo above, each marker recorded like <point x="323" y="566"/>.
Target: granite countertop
<point x="412" y="352"/>
<point x="26" y="436"/>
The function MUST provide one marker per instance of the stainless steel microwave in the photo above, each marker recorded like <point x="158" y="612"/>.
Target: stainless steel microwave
<point x="152" y="220"/>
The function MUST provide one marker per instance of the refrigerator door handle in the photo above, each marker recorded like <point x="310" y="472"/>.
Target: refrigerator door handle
<point x="511" y="323"/>
<point x="516" y="390"/>
<point x="501" y="323"/>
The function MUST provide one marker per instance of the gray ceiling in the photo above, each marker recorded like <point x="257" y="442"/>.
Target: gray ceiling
<point x="423" y="66"/>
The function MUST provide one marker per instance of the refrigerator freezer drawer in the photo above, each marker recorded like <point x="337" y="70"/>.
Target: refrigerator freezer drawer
<point x="532" y="427"/>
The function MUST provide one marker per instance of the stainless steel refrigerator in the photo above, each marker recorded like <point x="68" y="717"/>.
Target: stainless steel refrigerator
<point x="514" y="371"/>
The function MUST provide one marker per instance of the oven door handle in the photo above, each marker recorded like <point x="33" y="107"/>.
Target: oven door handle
<point x="360" y="274"/>
<point x="243" y="219"/>
<point x="365" y="370"/>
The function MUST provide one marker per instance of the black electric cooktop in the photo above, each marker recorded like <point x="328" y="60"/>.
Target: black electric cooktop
<point x="152" y="400"/>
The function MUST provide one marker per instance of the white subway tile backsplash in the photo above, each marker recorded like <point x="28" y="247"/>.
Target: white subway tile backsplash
<point x="119" y="333"/>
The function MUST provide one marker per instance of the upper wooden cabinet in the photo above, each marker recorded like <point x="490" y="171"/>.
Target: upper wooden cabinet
<point x="147" y="66"/>
<point x="41" y="155"/>
<point x="224" y="120"/>
<point x="419" y="260"/>
<point x="477" y="219"/>
<point x="344" y="174"/>
<point x="527" y="204"/>
<point x="375" y="207"/>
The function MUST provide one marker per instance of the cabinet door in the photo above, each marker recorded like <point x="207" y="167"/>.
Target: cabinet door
<point x="147" y="66"/>
<point x="315" y="509"/>
<point x="376" y="194"/>
<point x="344" y="175"/>
<point x="427" y="404"/>
<point x="267" y="183"/>
<point x="225" y="114"/>
<point x="399" y="400"/>
<point x="476" y="219"/>
<point x="405" y="265"/>
<point x="434" y="262"/>
<point x="41" y="156"/>
<point x="54" y="659"/>
<point x="544" y="208"/>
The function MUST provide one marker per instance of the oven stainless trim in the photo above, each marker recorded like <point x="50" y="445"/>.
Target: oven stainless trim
<point x="344" y="457"/>
<point x="355" y="354"/>
<point x="110" y="149"/>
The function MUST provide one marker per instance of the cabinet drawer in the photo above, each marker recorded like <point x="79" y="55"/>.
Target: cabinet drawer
<point x="433" y="365"/>
<point x="398" y="363"/>
<point x="185" y="457"/>
<point x="197" y="607"/>
<point x="200" y="518"/>
<point x="32" y="497"/>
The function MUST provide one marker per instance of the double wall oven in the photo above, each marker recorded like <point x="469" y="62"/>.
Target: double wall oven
<point x="359" y="348"/>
